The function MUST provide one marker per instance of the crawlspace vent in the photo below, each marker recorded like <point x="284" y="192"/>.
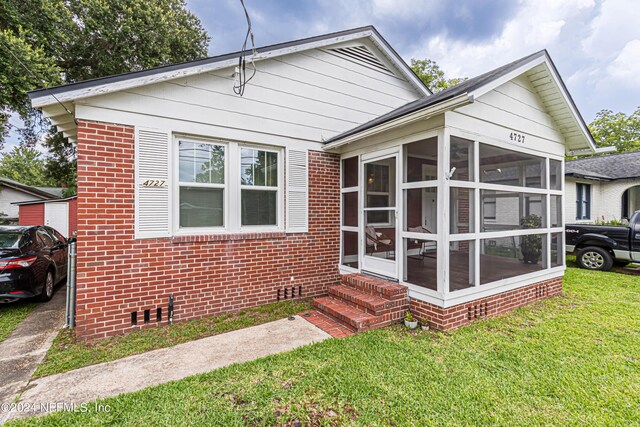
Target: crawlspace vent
<point x="361" y="55"/>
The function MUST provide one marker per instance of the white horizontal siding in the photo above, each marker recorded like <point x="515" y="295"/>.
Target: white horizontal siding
<point x="311" y="96"/>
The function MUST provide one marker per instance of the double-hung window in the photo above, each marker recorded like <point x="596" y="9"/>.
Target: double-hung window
<point x="259" y="187"/>
<point x="228" y="186"/>
<point x="202" y="184"/>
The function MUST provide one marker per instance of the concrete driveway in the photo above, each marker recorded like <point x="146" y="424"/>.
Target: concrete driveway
<point x="27" y="346"/>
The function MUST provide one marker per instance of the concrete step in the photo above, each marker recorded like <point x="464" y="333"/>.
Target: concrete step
<point x="361" y="300"/>
<point x="354" y="319"/>
<point x="375" y="286"/>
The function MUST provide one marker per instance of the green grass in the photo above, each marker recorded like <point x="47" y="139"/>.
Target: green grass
<point x="572" y="360"/>
<point x="11" y="315"/>
<point x="67" y="354"/>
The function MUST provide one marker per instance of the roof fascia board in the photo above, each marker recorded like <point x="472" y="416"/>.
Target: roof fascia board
<point x="492" y="84"/>
<point x="101" y="89"/>
<point x="403" y="120"/>
<point x="27" y="189"/>
<point x="400" y="64"/>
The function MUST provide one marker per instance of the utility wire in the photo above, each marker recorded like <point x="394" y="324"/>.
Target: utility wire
<point x="39" y="79"/>
<point x="240" y="86"/>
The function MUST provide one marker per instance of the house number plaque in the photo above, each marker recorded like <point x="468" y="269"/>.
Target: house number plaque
<point x="154" y="183"/>
<point x="516" y="137"/>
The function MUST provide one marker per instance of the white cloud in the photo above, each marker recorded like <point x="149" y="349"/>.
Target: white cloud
<point x="625" y="69"/>
<point x="616" y="23"/>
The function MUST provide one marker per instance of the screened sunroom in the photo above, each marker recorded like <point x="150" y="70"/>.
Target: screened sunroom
<point x="460" y="197"/>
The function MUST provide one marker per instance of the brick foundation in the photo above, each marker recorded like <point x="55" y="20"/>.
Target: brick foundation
<point x="208" y="275"/>
<point x="463" y="314"/>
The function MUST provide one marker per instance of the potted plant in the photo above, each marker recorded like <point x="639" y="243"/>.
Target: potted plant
<point x="424" y="324"/>
<point x="409" y="321"/>
<point x="531" y="246"/>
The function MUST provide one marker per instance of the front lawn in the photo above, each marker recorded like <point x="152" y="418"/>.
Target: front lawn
<point x="571" y="360"/>
<point x="11" y="315"/>
<point x="67" y="354"/>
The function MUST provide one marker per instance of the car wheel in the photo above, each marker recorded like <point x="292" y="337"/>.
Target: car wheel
<point x="47" y="289"/>
<point x="594" y="258"/>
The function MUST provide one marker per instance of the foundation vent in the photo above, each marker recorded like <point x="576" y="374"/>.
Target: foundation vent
<point x="542" y="291"/>
<point x="289" y="292"/>
<point x="146" y="316"/>
<point x="477" y="311"/>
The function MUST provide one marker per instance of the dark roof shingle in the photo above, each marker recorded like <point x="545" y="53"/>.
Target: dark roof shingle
<point x="606" y="168"/>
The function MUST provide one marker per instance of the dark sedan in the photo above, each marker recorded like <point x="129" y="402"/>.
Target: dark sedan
<point x="32" y="260"/>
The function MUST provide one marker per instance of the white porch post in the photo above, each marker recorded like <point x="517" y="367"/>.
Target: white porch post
<point x="444" y="214"/>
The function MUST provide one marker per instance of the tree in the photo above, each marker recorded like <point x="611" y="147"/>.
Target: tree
<point x="432" y="76"/>
<point x="25" y="165"/>
<point x="64" y="41"/>
<point x="617" y="129"/>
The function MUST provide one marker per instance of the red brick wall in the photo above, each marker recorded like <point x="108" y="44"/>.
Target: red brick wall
<point x="73" y="216"/>
<point x="463" y="314"/>
<point x="118" y="275"/>
<point x="31" y="214"/>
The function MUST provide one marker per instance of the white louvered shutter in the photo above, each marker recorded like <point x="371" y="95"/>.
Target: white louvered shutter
<point x="297" y="191"/>
<point x="152" y="184"/>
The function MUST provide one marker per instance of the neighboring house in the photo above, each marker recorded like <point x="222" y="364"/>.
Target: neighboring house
<point x="337" y="161"/>
<point x="602" y="188"/>
<point x="13" y="191"/>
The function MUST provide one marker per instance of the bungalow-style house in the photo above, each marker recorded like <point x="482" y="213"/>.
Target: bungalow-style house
<point x="336" y="173"/>
<point x="13" y="191"/>
<point x="604" y="188"/>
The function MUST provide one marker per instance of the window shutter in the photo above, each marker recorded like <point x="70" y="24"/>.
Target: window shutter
<point x="297" y="191"/>
<point x="152" y="184"/>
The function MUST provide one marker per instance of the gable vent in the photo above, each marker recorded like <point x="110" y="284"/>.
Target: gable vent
<point x="361" y="55"/>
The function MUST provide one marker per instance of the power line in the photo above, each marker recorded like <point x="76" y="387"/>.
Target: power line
<point x="239" y="87"/>
<point x="37" y="78"/>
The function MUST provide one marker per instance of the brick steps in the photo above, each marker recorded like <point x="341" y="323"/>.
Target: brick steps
<point x="363" y="302"/>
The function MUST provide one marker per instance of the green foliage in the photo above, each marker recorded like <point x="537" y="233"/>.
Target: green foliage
<point x="11" y="315"/>
<point x="64" y="41"/>
<point x="614" y="222"/>
<point x="61" y="164"/>
<point x="432" y="76"/>
<point x="570" y="360"/>
<point x="408" y="317"/>
<point x="531" y="246"/>
<point x="25" y="165"/>
<point x="617" y="129"/>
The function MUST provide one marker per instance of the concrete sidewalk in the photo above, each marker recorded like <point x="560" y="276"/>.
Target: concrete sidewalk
<point x="27" y="345"/>
<point x="168" y="364"/>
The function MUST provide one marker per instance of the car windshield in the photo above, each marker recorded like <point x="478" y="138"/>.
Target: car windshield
<point x="10" y="240"/>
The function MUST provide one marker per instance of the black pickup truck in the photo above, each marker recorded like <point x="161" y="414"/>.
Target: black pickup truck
<point x="599" y="247"/>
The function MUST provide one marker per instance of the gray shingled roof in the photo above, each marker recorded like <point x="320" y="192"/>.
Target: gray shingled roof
<point x="449" y="93"/>
<point x="606" y="168"/>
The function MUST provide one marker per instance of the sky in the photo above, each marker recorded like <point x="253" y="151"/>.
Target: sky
<point x="595" y="44"/>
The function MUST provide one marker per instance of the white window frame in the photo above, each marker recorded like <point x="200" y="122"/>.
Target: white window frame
<point x="232" y="188"/>
<point x="278" y="189"/>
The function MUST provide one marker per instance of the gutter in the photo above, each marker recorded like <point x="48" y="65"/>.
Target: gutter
<point x="422" y="114"/>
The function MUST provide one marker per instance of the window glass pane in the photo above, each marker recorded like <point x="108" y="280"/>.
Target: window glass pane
<point x="462" y="209"/>
<point x="462" y="159"/>
<point x="421" y="261"/>
<point x="506" y="210"/>
<point x="506" y="257"/>
<point x="421" y="159"/>
<point x="421" y="215"/>
<point x="258" y="168"/>
<point x="350" y="209"/>
<point x="506" y="167"/>
<point x="350" y="249"/>
<point x="380" y="240"/>
<point x="259" y="207"/>
<point x="555" y="174"/>
<point x="350" y="172"/>
<point x="556" y="211"/>
<point x="462" y="261"/>
<point x="201" y="207"/>
<point x="557" y="249"/>
<point x="200" y="162"/>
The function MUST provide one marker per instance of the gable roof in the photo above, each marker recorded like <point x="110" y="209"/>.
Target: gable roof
<point x="42" y="97"/>
<point x="43" y="192"/>
<point x="606" y="168"/>
<point x="478" y="86"/>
